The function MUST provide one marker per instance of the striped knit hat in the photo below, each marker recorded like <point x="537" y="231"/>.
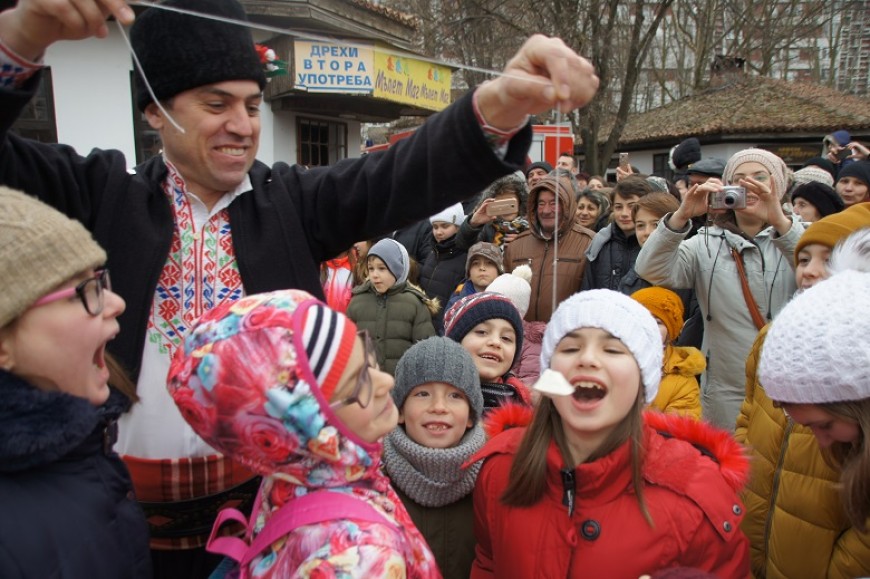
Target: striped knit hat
<point x="264" y="340"/>
<point x="254" y="378"/>
<point x="328" y="338"/>
<point x="479" y="307"/>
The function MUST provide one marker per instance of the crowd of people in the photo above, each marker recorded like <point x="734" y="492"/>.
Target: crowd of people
<point x="518" y="371"/>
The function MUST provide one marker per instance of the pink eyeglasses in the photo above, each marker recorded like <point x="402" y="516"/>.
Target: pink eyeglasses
<point x="90" y="292"/>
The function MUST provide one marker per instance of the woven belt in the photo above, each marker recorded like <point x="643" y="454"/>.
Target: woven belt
<point x="192" y="517"/>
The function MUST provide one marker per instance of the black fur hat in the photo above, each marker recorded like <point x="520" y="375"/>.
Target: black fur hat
<point x="686" y="153"/>
<point x="179" y="52"/>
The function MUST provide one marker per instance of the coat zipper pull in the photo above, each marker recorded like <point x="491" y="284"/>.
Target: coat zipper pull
<point x="568" y="490"/>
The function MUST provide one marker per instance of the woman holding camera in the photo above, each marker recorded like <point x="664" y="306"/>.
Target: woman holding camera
<point x="739" y="265"/>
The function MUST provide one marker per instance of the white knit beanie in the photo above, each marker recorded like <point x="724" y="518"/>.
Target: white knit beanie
<point x="813" y="174"/>
<point x="775" y="166"/>
<point x="515" y="287"/>
<point x="818" y="348"/>
<point x="453" y="214"/>
<point x="623" y="318"/>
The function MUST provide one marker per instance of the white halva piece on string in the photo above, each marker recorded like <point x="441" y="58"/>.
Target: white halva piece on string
<point x="552" y="383"/>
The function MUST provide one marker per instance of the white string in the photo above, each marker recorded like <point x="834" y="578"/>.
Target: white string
<point x="559" y="170"/>
<point x="145" y="78"/>
<point x="302" y="35"/>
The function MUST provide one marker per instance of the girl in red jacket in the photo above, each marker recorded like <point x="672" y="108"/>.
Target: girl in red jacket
<point x="596" y="488"/>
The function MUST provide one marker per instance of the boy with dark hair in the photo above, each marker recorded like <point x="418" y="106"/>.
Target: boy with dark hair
<point x="614" y="249"/>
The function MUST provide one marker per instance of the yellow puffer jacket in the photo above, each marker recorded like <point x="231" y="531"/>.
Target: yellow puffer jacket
<point x="679" y="392"/>
<point x="794" y="521"/>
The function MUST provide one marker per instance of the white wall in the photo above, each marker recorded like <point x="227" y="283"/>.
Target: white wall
<point x="92" y="100"/>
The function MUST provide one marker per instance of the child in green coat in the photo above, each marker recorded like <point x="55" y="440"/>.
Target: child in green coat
<point x="396" y="313"/>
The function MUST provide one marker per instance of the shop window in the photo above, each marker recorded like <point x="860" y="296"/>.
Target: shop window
<point x="661" y="167"/>
<point x="37" y="120"/>
<point x="320" y="142"/>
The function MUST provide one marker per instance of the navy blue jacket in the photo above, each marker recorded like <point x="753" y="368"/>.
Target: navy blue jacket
<point x="67" y="503"/>
<point x="442" y="271"/>
<point x="610" y="258"/>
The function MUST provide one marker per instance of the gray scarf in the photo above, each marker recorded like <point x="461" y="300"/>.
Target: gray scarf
<point x="432" y="477"/>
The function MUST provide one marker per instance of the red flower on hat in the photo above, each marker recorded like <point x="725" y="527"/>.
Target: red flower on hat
<point x="271" y="65"/>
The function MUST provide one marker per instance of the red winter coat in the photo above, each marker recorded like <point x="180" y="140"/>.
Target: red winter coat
<point x="692" y="501"/>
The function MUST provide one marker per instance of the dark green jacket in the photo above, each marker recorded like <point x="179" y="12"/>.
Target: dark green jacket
<point x="449" y="530"/>
<point x="396" y="320"/>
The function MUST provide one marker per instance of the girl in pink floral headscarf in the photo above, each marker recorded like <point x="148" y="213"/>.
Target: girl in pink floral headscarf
<point x="287" y="387"/>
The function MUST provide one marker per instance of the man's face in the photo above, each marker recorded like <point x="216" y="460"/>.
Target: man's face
<point x="565" y="163"/>
<point x="546" y="209"/>
<point x="535" y="175"/>
<point x="221" y="125"/>
<point x="622" y="216"/>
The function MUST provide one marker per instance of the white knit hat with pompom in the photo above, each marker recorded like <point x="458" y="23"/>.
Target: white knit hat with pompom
<point x="515" y="286"/>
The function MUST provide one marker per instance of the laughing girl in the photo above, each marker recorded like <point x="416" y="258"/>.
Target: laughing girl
<point x="594" y="487"/>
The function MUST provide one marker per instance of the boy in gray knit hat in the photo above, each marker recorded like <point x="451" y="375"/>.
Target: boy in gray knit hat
<point x="394" y="311"/>
<point x="440" y="403"/>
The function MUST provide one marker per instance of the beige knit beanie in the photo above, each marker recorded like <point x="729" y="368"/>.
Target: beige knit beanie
<point x="40" y="249"/>
<point x="775" y="166"/>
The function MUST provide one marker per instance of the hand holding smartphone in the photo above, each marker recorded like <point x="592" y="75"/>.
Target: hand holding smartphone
<point x="623" y="162"/>
<point x="844" y="153"/>
<point x="502" y="207"/>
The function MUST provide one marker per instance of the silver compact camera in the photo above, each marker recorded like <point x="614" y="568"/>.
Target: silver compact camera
<point x="730" y="197"/>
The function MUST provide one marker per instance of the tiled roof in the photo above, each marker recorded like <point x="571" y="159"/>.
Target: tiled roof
<point x="397" y="15"/>
<point x="751" y="105"/>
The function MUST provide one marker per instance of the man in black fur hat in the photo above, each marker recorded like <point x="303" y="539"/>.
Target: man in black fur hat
<point x="205" y="223"/>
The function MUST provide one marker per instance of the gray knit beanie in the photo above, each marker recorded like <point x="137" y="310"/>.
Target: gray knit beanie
<point x="394" y="256"/>
<point x="438" y="359"/>
<point x="40" y="248"/>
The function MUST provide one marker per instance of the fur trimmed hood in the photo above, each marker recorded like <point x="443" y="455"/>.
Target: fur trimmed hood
<point x="714" y="443"/>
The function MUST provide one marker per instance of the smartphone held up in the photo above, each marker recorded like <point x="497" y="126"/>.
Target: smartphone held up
<point x="502" y="207"/>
